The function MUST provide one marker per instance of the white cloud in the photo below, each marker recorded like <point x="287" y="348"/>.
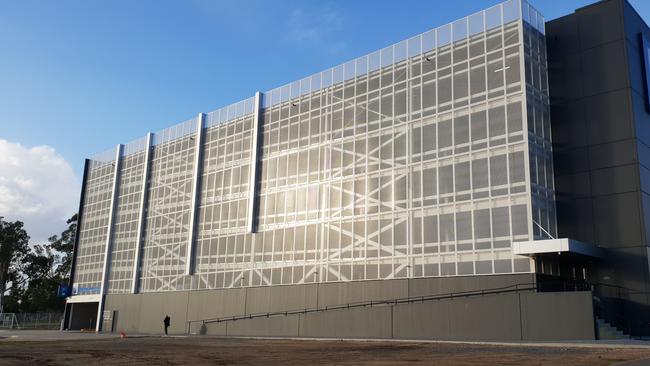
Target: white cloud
<point x="315" y="27"/>
<point x="38" y="187"/>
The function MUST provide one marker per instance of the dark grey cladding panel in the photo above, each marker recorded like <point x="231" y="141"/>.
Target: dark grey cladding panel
<point x="601" y="131"/>
<point x="572" y="186"/>
<point x="633" y="25"/>
<point x="630" y="264"/>
<point x="645" y="202"/>
<point x="575" y="219"/>
<point x="600" y="24"/>
<point x="617" y="220"/>
<point x="641" y="118"/>
<point x="643" y="154"/>
<point x="569" y="126"/>
<point x="562" y="37"/>
<point x="612" y="154"/>
<point x="644" y="177"/>
<point x="620" y="179"/>
<point x="636" y="65"/>
<point x="608" y="117"/>
<point x="564" y="67"/>
<point x="604" y="68"/>
<point x="565" y="78"/>
<point x="637" y="260"/>
<point x="571" y="161"/>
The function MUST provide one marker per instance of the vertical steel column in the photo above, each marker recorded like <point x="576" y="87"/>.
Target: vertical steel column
<point x="144" y="197"/>
<point x="109" y="235"/>
<point x="252" y="184"/>
<point x="68" y="320"/>
<point x="525" y="123"/>
<point x="196" y="191"/>
<point x="68" y="314"/>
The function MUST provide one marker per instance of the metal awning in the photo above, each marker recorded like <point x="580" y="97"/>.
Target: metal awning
<point x="557" y="246"/>
<point x="82" y="298"/>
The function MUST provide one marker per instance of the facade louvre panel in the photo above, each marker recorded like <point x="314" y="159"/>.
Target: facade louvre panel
<point x="125" y="237"/>
<point x="405" y="158"/>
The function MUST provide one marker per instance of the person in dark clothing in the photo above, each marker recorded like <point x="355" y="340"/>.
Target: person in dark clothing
<point x="166" y="323"/>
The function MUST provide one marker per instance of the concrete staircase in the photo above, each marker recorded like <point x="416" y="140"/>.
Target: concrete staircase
<point x="608" y="331"/>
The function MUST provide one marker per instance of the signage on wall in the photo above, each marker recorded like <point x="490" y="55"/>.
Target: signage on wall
<point x="645" y="59"/>
<point x="64" y="291"/>
<point x="85" y="290"/>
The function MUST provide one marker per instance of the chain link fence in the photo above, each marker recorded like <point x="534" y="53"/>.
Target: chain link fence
<point x="30" y="320"/>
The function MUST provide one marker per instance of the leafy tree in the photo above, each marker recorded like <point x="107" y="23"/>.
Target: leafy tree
<point x="43" y="269"/>
<point x="43" y="279"/>
<point x="13" y="300"/>
<point x="14" y="297"/>
<point x="64" y="245"/>
<point x="14" y="245"/>
<point x="34" y="273"/>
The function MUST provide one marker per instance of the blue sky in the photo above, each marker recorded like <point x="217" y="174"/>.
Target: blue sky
<point x="82" y="76"/>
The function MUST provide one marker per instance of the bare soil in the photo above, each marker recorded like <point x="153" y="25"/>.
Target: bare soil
<point x="224" y="351"/>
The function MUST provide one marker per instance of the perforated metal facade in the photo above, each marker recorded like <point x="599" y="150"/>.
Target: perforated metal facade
<point x="426" y="158"/>
<point x="92" y="235"/>
<point x="126" y="223"/>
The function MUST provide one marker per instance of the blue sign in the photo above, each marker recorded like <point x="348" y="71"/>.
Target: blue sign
<point x="64" y="291"/>
<point x="87" y="290"/>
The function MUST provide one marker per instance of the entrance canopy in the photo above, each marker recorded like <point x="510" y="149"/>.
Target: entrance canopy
<point x="557" y="246"/>
<point x="83" y="298"/>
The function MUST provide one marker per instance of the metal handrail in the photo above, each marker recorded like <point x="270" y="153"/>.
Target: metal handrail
<point x="620" y="289"/>
<point x="600" y="308"/>
<point x="497" y="290"/>
<point x="605" y="311"/>
<point x="611" y="303"/>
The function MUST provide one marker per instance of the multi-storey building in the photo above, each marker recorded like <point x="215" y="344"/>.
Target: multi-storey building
<point x="427" y="166"/>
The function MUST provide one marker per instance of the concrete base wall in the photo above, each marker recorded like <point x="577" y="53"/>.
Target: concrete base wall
<point x="519" y="316"/>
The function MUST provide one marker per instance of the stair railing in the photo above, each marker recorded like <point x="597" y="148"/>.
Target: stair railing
<point x="520" y="287"/>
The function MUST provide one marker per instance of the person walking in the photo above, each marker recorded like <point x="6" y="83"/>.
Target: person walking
<point x="166" y="322"/>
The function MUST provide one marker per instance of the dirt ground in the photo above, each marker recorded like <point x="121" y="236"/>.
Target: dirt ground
<point x="221" y="351"/>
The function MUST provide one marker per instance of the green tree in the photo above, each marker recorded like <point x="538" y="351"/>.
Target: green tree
<point x="42" y="269"/>
<point x="64" y="244"/>
<point x="14" y="245"/>
<point x="41" y="272"/>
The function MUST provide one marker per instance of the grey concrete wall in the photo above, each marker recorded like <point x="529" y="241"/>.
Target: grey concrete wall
<point x="506" y="317"/>
<point x="144" y="312"/>
<point x="493" y="317"/>
<point x="279" y="298"/>
<point x="375" y="322"/>
<point x="361" y="291"/>
<point x="129" y="311"/>
<point x="215" y="304"/>
<point x="265" y="327"/>
<point x="557" y="315"/>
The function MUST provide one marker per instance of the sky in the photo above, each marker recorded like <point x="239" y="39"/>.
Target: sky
<point x="77" y="77"/>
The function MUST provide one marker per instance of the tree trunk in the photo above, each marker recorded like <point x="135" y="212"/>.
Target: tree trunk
<point x="4" y="269"/>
